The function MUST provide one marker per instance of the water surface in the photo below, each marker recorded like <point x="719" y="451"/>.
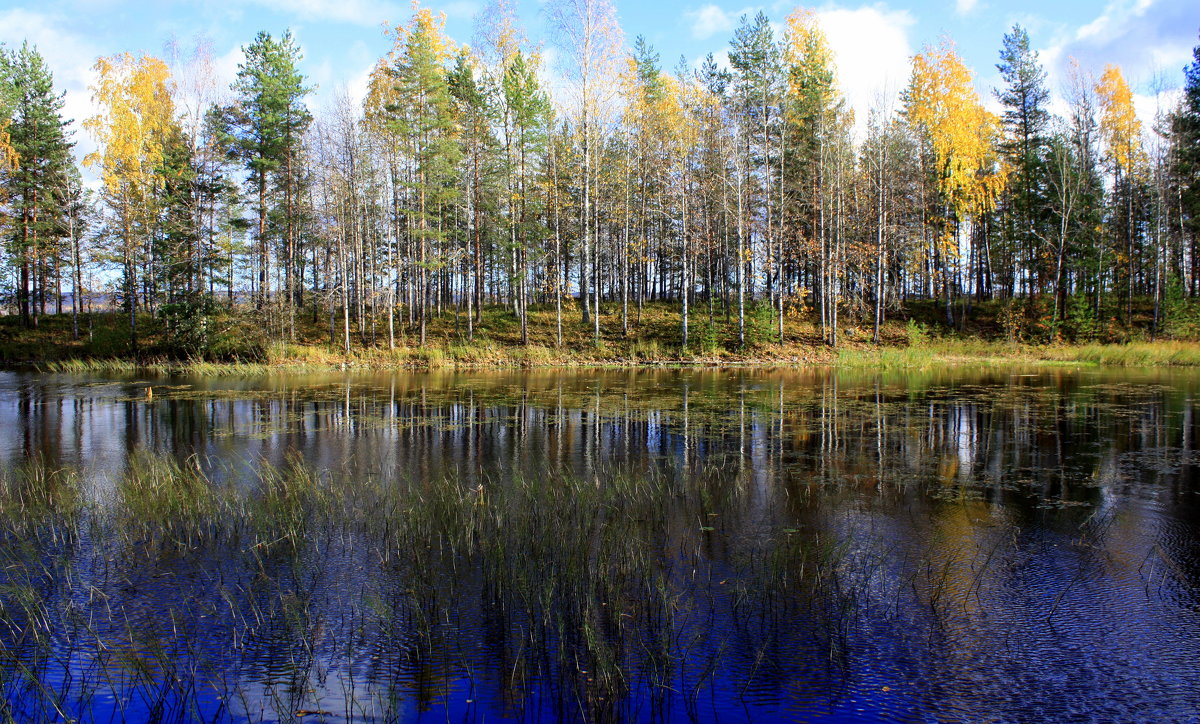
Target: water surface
<point x="959" y="545"/>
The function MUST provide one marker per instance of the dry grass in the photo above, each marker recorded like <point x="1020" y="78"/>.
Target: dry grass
<point x="653" y="337"/>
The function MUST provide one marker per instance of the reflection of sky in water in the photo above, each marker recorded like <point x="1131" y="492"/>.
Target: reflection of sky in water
<point x="1008" y="546"/>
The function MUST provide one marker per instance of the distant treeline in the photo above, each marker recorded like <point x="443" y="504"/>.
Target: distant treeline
<point x="460" y="183"/>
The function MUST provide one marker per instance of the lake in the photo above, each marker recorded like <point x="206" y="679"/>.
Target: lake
<point x="963" y="544"/>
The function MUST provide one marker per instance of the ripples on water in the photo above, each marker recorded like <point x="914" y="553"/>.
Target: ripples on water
<point x="1003" y="545"/>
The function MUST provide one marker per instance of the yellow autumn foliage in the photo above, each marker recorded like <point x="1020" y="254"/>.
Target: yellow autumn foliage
<point x="942" y="102"/>
<point x="424" y="33"/>
<point x="431" y="26"/>
<point x="8" y="155"/>
<point x="136" y="113"/>
<point x="1119" y="124"/>
<point x="806" y="49"/>
<point x="381" y="94"/>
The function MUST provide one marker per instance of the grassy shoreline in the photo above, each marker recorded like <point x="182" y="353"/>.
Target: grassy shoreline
<point x="923" y="356"/>
<point x="236" y="345"/>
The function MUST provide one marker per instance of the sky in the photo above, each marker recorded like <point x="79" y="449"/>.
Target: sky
<point x="341" y="39"/>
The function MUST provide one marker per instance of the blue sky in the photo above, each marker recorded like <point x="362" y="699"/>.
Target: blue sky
<point x="1151" y="39"/>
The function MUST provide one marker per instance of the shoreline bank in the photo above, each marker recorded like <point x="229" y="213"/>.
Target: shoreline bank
<point x="302" y="358"/>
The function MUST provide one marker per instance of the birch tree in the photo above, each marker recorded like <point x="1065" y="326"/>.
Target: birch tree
<point x="135" y="119"/>
<point x="591" y="37"/>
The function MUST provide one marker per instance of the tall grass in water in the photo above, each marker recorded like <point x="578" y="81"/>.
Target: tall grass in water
<point x="925" y="353"/>
<point x="934" y="352"/>
<point x="155" y="366"/>
<point x="82" y="366"/>
<point x="1134" y="354"/>
<point x="35" y="492"/>
<point x="162" y="498"/>
<point x="592" y="582"/>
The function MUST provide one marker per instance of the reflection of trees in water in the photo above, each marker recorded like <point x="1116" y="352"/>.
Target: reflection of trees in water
<point x="804" y="540"/>
<point x="1056" y="433"/>
<point x="580" y="596"/>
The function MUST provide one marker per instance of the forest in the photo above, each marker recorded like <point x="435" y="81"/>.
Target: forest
<point x="468" y="193"/>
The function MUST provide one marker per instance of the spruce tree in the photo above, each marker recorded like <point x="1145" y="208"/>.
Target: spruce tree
<point x="185" y="309"/>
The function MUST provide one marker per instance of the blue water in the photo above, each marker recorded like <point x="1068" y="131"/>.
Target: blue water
<point x="1001" y="545"/>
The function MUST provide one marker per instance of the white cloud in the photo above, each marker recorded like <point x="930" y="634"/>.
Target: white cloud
<point x="225" y="67"/>
<point x="709" y="20"/>
<point x="872" y="52"/>
<point x="1154" y="105"/>
<point x="355" y="12"/>
<point x="369" y="13"/>
<point x="552" y="79"/>
<point x="463" y="9"/>
<point x="965" y="7"/>
<point x="1110" y="21"/>
<point x="870" y="46"/>
<point x="1127" y="34"/>
<point x="1151" y="40"/>
<point x="347" y="74"/>
<point x="69" y="56"/>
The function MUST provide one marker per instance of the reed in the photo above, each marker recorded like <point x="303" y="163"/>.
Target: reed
<point x="34" y="492"/>
<point x="1134" y="354"/>
<point x="600" y="590"/>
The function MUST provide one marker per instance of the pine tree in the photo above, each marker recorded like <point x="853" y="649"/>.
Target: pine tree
<point x="529" y="109"/>
<point x="755" y="58"/>
<point x="475" y="110"/>
<point x="815" y="119"/>
<point x="264" y="130"/>
<point x="1024" y="147"/>
<point x="424" y="112"/>
<point x="38" y="137"/>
